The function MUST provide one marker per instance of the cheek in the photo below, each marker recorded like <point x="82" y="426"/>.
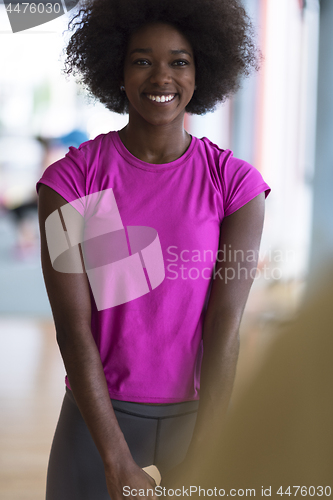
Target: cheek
<point x="130" y="74"/>
<point x="190" y="78"/>
<point x="189" y="83"/>
<point x="133" y="82"/>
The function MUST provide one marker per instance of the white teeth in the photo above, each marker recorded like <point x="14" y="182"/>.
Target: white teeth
<point x="162" y="98"/>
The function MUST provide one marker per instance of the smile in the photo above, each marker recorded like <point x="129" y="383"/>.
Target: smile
<point x="161" y="98"/>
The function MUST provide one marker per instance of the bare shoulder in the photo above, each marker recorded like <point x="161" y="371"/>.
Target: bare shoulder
<point x="48" y="201"/>
<point x="249" y="216"/>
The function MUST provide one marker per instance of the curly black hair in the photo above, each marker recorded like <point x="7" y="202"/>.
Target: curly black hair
<point x="220" y="32"/>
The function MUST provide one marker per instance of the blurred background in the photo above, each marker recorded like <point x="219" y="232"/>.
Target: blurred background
<point x="281" y="121"/>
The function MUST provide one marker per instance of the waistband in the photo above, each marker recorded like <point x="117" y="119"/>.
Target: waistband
<point x="155" y="411"/>
<point x="150" y="411"/>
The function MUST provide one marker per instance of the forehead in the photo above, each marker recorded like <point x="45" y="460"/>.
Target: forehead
<point x="158" y="35"/>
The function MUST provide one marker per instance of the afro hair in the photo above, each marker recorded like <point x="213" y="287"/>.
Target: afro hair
<point x="220" y="32"/>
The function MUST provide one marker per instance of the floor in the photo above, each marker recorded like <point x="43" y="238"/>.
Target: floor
<point x="31" y="390"/>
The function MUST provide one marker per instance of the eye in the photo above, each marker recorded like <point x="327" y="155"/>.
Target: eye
<point x="141" y="62"/>
<point x="180" y="62"/>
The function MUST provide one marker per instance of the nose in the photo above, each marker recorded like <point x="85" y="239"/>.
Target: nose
<point x="160" y="74"/>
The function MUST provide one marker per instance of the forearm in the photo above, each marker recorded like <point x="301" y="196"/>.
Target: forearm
<point x="221" y="348"/>
<point x="86" y="375"/>
<point x="87" y="379"/>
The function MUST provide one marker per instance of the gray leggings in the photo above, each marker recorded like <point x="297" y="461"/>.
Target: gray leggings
<point x="158" y="435"/>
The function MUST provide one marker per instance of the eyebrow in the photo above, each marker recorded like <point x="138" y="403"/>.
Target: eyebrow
<point x="147" y="51"/>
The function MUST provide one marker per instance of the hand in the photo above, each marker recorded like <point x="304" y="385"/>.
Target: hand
<point x="127" y="476"/>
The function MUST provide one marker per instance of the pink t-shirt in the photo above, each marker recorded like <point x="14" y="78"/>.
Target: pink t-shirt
<point x="149" y="299"/>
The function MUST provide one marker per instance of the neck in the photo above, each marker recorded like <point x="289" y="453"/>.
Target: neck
<point x="155" y="143"/>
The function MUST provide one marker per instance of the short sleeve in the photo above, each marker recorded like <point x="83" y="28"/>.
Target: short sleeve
<point x="67" y="176"/>
<point x="241" y="182"/>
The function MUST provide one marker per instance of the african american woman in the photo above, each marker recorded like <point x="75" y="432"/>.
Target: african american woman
<point x="146" y="234"/>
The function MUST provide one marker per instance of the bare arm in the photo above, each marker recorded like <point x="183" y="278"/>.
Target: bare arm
<point x="240" y="232"/>
<point x="70" y="302"/>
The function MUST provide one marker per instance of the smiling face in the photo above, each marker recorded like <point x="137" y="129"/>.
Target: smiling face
<point x="159" y="74"/>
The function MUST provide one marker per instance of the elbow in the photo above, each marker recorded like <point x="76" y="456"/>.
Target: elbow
<point x="74" y="339"/>
<point x="225" y="325"/>
<point x="221" y="336"/>
<point x="61" y="339"/>
<point x="64" y="336"/>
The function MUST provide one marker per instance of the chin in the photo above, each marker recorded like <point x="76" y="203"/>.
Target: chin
<point x="160" y="121"/>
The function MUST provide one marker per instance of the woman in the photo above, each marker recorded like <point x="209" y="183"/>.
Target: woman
<point x="164" y="289"/>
